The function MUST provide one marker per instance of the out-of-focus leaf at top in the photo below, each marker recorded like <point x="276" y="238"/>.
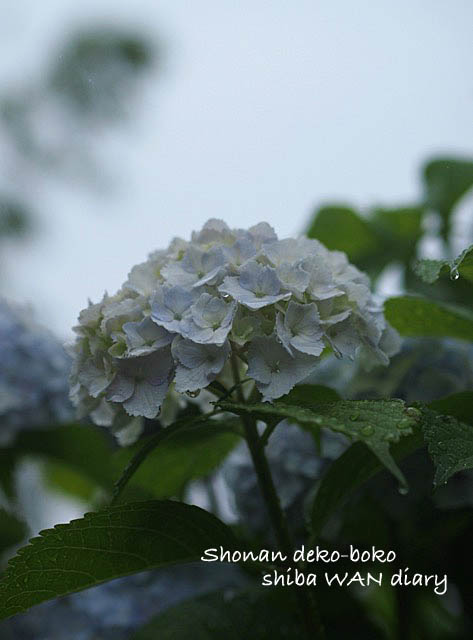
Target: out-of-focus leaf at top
<point x="371" y="242"/>
<point x="421" y="317"/>
<point x="446" y="180"/>
<point x="399" y="230"/>
<point x="462" y="266"/>
<point x="343" y="229"/>
<point x="96" y="68"/>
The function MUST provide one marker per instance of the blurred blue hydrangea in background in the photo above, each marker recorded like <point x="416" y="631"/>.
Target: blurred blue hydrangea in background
<point x="33" y="375"/>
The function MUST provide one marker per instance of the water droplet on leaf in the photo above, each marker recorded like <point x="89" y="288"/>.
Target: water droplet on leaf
<point x="368" y="430"/>
<point x="405" y="423"/>
<point x="454" y="275"/>
<point x="413" y="412"/>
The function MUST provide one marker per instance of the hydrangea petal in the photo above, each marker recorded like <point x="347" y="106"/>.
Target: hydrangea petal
<point x="274" y="369"/>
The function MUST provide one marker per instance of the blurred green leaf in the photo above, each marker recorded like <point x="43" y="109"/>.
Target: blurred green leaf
<point x="372" y="241"/>
<point x="446" y="180"/>
<point x="61" y="477"/>
<point x="308" y="395"/>
<point x="398" y="232"/>
<point x="7" y="468"/>
<point x="421" y="317"/>
<point x="376" y="423"/>
<point x="14" y="218"/>
<point x="84" y="448"/>
<point x="101" y="546"/>
<point x="80" y="458"/>
<point x="350" y="471"/>
<point x="189" y="453"/>
<point x="257" y="614"/>
<point x="450" y="444"/>
<point x="96" y="68"/>
<point x="459" y="405"/>
<point x="12" y="530"/>
<point x="342" y="228"/>
<point x="430" y="270"/>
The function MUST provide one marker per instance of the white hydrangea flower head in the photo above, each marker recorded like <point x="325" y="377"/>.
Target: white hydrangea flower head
<point x="190" y="309"/>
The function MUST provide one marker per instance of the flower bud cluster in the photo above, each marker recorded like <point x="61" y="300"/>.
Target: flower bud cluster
<point x="179" y="317"/>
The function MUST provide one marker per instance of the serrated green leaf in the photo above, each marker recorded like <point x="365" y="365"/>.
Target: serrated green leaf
<point x="257" y="614"/>
<point x="450" y="444"/>
<point x="419" y="317"/>
<point x="101" y="546"/>
<point x="348" y="472"/>
<point x="462" y="266"/>
<point x="377" y="423"/>
<point x="446" y="181"/>
<point x="429" y="270"/>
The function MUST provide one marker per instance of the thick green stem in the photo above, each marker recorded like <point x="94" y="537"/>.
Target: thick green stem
<point x="265" y="481"/>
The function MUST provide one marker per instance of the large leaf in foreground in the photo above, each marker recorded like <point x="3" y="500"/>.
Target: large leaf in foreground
<point x="348" y="472"/>
<point x="257" y="614"/>
<point x="377" y="423"/>
<point x="450" y="444"/>
<point x="113" y="542"/>
<point x="419" y="317"/>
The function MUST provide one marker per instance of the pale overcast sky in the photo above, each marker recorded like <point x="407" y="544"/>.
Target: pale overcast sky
<point x="264" y="110"/>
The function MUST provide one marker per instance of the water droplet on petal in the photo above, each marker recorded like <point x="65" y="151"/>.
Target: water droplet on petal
<point x="193" y="394"/>
<point x="454" y="275"/>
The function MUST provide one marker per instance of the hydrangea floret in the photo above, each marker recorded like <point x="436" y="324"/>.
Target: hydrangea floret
<point x="181" y="316"/>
